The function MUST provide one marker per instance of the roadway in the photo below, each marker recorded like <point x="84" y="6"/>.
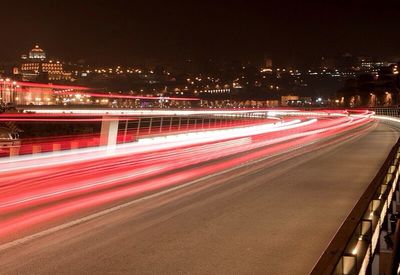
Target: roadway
<point x="272" y="216"/>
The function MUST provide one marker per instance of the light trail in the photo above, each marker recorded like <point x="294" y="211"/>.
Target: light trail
<point x="180" y="160"/>
<point x="158" y="194"/>
<point x="111" y="95"/>
<point x="83" y="91"/>
<point x="45" y="187"/>
<point x="52" y="86"/>
<point x="125" y="134"/>
<point x="144" y="145"/>
<point x="147" y="112"/>
<point x="59" y="119"/>
<point x="387" y="118"/>
<point x="216" y="112"/>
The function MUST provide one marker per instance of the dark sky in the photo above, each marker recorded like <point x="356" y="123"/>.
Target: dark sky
<point x="134" y="31"/>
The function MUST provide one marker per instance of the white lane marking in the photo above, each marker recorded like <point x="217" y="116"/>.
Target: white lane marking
<point x="125" y="205"/>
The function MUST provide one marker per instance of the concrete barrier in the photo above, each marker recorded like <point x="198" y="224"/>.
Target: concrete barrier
<point x="109" y="131"/>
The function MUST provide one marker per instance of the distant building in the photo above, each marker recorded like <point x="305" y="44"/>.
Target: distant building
<point x="289" y="99"/>
<point x="268" y="63"/>
<point x="37" y="53"/>
<point x="36" y="66"/>
<point x="368" y="64"/>
<point x="348" y="62"/>
<point x="328" y="63"/>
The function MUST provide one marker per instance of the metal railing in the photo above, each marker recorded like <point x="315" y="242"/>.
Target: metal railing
<point x="159" y="125"/>
<point x="132" y="128"/>
<point x="390" y="111"/>
<point x="354" y="246"/>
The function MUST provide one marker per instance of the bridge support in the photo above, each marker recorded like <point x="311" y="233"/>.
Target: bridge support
<point x="109" y="131"/>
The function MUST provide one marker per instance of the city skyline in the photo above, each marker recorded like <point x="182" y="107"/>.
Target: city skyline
<point x="290" y="33"/>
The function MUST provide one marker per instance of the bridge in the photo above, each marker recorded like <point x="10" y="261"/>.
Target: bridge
<point x="272" y="191"/>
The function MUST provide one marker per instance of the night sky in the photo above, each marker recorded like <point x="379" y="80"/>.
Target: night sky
<point x="134" y="32"/>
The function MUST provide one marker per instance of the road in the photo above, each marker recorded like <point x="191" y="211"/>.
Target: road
<point x="273" y="216"/>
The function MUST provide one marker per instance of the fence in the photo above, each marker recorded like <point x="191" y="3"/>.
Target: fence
<point x="148" y="126"/>
<point x="132" y="128"/>
<point x="357" y="248"/>
<point x="393" y="112"/>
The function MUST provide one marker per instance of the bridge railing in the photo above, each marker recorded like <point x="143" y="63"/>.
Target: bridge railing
<point x="129" y="129"/>
<point x="355" y="244"/>
<point x="389" y="111"/>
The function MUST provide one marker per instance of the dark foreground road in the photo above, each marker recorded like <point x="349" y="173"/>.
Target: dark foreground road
<point x="272" y="217"/>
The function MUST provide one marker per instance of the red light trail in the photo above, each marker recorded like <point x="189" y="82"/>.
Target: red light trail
<point x="48" y="187"/>
<point x="110" y="95"/>
<point x="49" y="85"/>
<point x="82" y="91"/>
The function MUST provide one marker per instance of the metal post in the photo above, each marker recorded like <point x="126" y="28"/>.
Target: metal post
<point x="195" y="123"/>
<point x="161" y="123"/>
<point x="202" y="123"/>
<point x="126" y="130"/>
<point x="179" y="125"/>
<point x="170" y="124"/>
<point x="138" y="127"/>
<point x="187" y="123"/>
<point x="151" y="123"/>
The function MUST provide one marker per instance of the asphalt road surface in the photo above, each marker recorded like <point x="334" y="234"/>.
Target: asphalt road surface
<point x="274" y="216"/>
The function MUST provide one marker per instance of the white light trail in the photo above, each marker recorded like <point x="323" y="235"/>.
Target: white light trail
<point x="144" y="145"/>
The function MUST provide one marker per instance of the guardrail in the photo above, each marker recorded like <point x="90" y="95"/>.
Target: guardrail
<point x="357" y="245"/>
<point x="156" y="125"/>
<point x="126" y="129"/>
<point x="389" y="111"/>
